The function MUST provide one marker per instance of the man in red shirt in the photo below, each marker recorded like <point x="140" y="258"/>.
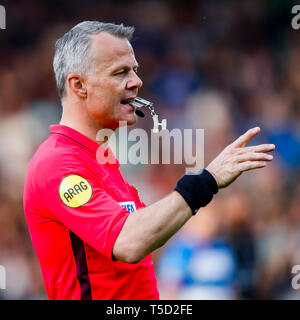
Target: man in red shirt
<point x="92" y="234"/>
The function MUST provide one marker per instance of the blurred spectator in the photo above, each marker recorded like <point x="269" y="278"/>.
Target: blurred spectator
<point x="237" y="219"/>
<point x="198" y="263"/>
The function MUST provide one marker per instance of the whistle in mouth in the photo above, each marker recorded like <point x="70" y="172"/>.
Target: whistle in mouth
<point x="140" y="103"/>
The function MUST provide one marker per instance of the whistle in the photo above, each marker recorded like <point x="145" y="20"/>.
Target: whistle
<point x="140" y="103"/>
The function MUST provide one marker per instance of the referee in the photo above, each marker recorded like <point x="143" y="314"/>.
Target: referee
<point x="92" y="234"/>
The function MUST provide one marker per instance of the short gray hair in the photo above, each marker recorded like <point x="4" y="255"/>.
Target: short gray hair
<point x="72" y="50"/>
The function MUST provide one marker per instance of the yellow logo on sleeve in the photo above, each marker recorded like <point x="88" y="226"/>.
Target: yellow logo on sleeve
<point x="75" y="191"/>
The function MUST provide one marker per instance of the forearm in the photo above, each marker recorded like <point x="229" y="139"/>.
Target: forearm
<point x="149" y="228"/>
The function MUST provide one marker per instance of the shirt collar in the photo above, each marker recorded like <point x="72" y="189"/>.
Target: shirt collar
<point x="78" y="138"/>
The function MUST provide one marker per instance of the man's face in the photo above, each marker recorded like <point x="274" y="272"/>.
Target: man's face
<point x="114" y="82"/>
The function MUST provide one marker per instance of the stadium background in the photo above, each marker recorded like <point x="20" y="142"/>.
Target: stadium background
<point x="224" y="66"/>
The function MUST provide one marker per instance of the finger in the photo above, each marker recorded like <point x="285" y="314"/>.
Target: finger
<point x="254" y="156"/>
<point x="245" y="138"/>
<point x="250" y="165"/>
<point x="260" y="148"/>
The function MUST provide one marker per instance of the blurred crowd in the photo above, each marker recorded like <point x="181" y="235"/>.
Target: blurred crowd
<point x="222" y="66"/>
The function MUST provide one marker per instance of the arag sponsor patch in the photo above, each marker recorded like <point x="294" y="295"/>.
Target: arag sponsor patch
<point x="75" y="191"/>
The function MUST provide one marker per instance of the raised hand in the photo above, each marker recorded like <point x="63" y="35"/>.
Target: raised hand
<point x="237" y="158"/>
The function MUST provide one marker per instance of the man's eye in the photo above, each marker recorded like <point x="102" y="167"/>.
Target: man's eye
<point x="119" y="72"/>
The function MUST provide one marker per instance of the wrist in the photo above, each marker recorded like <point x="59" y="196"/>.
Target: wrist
<point x="197" y="189"/>
<point x="214" y="175"/>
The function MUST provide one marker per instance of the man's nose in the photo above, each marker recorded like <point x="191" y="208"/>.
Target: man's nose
<point x="134" y="81"/>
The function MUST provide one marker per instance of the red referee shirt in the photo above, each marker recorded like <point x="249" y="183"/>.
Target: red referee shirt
<point x="75" y="208"/>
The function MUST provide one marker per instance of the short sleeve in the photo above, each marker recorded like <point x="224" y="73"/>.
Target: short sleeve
<point x="73" y="196"/>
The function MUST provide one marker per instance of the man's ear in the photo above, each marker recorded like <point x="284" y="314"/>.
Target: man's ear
<point x="76" y="84"/>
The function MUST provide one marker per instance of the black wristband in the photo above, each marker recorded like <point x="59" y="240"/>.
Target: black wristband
<point x="197" y="189"/>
